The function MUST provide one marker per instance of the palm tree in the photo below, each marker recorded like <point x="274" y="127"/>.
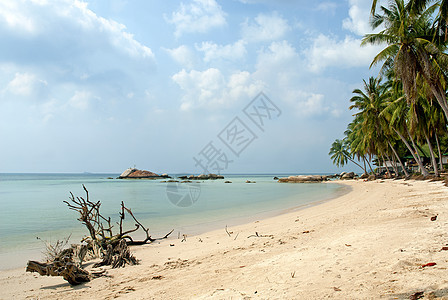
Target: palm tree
<point x="340" y="154"/>
<point x="420" y="123"/>
<point x="417" y="6"/>
<point x="356" y="144"/>
<point x="411" y="49"/>
<point x="370" y="136"/>
<point x="396" y="114"/>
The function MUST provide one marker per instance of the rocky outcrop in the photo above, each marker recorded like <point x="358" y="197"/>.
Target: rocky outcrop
<point x="133" y="173"/>
<point x="304" y="178"/>
<point x="349" y="175"/>
<point x="364" y="176"/>
<point x="202" y="177"/>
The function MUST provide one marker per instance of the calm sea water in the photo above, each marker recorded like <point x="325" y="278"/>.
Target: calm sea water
<point x="32" y="206"/>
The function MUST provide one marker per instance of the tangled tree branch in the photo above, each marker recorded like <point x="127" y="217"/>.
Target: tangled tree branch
<point x="101" y="242"/>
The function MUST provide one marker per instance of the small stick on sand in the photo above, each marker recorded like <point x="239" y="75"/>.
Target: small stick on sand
<point x="228" y="232"/>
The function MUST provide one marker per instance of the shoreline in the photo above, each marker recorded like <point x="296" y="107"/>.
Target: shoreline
<point x="203" y="228"/>
<point x="18" y="258"/>
<point x="369" y="243"/>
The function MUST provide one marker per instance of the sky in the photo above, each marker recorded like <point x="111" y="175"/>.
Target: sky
<point x="234" y="86"/>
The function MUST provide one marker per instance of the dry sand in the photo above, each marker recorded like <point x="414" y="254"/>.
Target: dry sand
<point x="368" y="244"/>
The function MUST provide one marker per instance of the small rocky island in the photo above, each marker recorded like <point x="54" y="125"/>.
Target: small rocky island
<point x="133" y="173"/>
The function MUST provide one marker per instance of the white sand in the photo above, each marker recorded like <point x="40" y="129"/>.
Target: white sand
<point x="370" y="243"/>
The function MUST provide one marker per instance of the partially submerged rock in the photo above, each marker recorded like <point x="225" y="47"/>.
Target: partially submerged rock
<point x="202" y="177"/>
<point x="304" y="178"/>
<point x="133" y="173"/>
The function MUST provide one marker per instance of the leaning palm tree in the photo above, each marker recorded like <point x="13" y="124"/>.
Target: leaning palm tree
<point x="357" y="143"/>
<point x="411" y="49"/>
<point x="340" y="154"/>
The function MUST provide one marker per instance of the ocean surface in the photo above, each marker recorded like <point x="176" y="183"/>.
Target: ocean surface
<point x="32" y="206"/>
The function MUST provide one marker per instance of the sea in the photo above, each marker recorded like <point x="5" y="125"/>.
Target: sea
<point x="33" y="211"/>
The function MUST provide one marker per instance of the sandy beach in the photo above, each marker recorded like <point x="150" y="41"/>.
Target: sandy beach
<point x="373" y="242"/>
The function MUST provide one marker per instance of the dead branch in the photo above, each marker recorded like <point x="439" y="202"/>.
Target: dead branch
<point x="228" y="232"/>
<point x="259" y="235"/>
<point x="117" y="256"/>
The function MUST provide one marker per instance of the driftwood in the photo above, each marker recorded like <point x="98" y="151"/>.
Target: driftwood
<point x="101" y="243"/>
<point x="63" y="265"/>
<point x="117" y="257"/>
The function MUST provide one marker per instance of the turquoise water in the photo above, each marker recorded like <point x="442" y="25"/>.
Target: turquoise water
<point x="32" y="206"/>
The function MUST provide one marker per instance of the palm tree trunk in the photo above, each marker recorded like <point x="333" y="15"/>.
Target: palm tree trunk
<point x="399" y="160"/>
<point x="440" y="153"/>
<point x="353" y="161"/>
<point x="394" y="165"/>
<point x="422" y="168"/>
<point x="419" y="162"/>
<point x="420" y="165"/>
<point x="441" y="99"/>
<point x="433" y="157"/>
<point x="365" y="167"/>
<point x="385" y="165"/>
<point x="435" y="87"/>
<point x="370" y="166"/>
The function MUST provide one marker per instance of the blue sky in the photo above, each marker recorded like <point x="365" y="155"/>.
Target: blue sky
<point x="99" y="86"/>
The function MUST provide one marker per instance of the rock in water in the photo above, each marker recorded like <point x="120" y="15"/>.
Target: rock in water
<point x="304" y="178"/>
<point x="202" y="177"/>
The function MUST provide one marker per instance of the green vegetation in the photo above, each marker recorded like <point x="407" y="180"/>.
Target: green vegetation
<point x="405" y="108"/>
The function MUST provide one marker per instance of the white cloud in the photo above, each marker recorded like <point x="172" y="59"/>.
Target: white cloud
<point x="330" y="52"/>
<point x="213" y="51"/>
<point x="266" y="28"/>
<point x="118" y="37"/>
<point x="67" y="21"/>
<point x="310" y="104"/>
<point x="15" y="17"/>
<point x="279" y="64"/>
<point x="49" y="109"/>
<point x="81" y="100"/>
<point x="358" y="20"/>
<point x="277" y="53"/>
<point x="183" y="55"/>
<point x="25" y="84"/>
<point x="198" y="16"/>
<point x="211" y="89"/>
<point x="285" y="70"/>
<point x="313" y="105"/>
<point x="79" y="53"/>
<point x="327" y="7"/>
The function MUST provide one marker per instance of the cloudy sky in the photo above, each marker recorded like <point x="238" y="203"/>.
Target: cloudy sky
<point x="98" y="86"/>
